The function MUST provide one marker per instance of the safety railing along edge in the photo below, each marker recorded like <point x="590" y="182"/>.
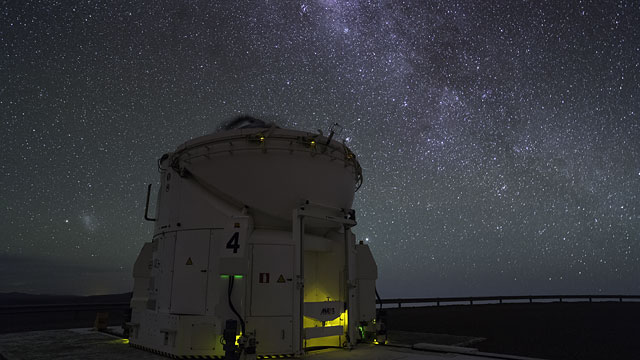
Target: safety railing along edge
<point x="438" y="301"/>
<point x="477" y="300"/>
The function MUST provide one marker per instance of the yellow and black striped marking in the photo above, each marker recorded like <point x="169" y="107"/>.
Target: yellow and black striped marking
<point x="158" y="352"/>
<point x="213" y="357"/>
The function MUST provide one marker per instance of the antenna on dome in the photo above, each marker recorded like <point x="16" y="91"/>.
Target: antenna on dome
<point x="334" y="129"/>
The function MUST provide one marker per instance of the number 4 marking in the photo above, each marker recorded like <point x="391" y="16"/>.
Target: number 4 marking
<point x="233" y="242"/>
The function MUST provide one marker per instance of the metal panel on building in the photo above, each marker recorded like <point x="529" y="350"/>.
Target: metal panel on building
<point x="271" y="284"/>
<point x="162" y="274"/>
<point x="189" y="292"/>
<point x="275" y="334"/>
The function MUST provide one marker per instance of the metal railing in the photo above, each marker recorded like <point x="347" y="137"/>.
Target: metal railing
<point x="476" y="300"/>
<point x="438" y="301"/>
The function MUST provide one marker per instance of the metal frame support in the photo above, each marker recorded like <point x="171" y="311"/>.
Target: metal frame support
<point x="350" y="287"/>
<point x="298" y="298"/>
<point x="347" y="220"/>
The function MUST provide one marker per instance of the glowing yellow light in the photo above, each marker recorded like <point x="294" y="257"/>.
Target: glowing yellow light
<point x="313" y="143"/>
<point x="120" y="341"/>
<point x="334" y="340"/>
<point x="261" y="138"/>
<point x="340" y="320"/>
<point x="238" y="338"/>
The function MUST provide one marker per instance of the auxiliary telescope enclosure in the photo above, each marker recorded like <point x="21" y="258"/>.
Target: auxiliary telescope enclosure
<point x="253" y="225"/>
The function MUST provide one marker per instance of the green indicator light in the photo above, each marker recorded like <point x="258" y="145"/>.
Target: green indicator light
<point x="234" y="276"/>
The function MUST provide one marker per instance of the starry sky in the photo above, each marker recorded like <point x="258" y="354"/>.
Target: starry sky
<point x="500" y="140"/>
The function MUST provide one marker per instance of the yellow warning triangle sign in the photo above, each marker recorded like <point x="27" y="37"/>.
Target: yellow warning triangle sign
<point x="281" y="279"/>
<point x="189" y="262"/>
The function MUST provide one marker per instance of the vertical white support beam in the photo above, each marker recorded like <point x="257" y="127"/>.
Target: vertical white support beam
<point x="352" y="321"/>
<point x="298" y="292"/>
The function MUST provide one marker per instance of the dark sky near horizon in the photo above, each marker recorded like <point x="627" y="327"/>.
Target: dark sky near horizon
<point x="500" y="140"/>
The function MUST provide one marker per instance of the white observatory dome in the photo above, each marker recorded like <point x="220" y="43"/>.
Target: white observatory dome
<point x="270" y="170"/>
<point x="253" y="228"/>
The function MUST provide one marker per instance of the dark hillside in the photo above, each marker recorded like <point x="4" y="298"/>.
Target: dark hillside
<point x="8" y="299"/>
<point x="26" y="312"/>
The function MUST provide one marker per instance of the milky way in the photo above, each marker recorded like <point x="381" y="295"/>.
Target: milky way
<point x="500" y="142"/>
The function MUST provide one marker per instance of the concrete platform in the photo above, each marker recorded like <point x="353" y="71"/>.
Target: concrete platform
<point x="92" y="345"/>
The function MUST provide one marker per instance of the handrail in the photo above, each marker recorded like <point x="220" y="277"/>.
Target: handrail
<point x="146" y="207"/>
<point x="502" y="299"/>
<point x="470" y="300"/>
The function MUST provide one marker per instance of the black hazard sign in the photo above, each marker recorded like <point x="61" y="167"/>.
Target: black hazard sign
<point x="281" y="279"/>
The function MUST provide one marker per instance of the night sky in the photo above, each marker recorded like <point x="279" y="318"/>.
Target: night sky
<point x="500" y="140"/>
